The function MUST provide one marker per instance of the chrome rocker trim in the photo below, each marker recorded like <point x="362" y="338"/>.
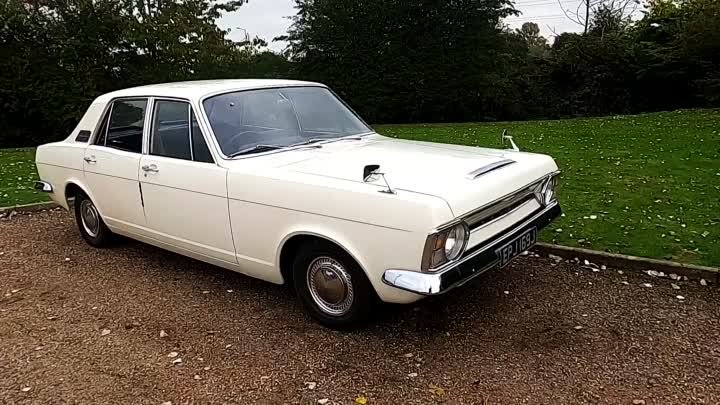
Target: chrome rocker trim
<point x="480" y="260"/>
<point x="43" y="186"/>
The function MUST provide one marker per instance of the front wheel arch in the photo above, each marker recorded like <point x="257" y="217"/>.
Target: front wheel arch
<point x="290" y="246"/>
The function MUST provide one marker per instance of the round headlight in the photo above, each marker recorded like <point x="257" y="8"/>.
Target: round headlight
<point x="455" y="241"/>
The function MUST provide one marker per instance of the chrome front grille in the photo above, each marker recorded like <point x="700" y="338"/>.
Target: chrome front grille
<point x="503" y="206"/>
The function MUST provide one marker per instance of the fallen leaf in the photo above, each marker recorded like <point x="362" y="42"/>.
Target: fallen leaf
<point x="163" y="334"/>
<point x="197" y="377"/>
<point x="105" y="332"/>
<point x="25" y="389"/>
<point x="646" y="285"/>
<point x="680" y="297"/>
<point x="413" y="375"/>
<point x="703" y="282"/>
<point x="177" y="361"/>
<point x="323" y="401"/>
<point x="579" y="327"/>
<point x="172" y="354"/>
<point x="436" y="390"/>
<point x="361" y="400"/>
<point x="310" y="385"/>
<point x="674" y="286"/>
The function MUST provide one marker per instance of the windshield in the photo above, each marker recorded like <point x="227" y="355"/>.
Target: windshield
<point x="258" y="120"/>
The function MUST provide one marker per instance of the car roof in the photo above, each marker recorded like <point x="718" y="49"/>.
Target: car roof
<point x="195" y="90"/>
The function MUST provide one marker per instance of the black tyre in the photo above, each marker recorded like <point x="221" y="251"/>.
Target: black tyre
<point x="331" y="286"/>
<point x="91" y="226"/>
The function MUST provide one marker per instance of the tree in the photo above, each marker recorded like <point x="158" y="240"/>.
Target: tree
<point x="57" y="55"/>
<point x="586" y="10"/>
<point x="537" y="44"/>
<point x="404" y="61"/>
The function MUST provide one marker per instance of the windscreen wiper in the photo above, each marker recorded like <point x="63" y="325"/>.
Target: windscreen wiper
<point x="255" y="149"/>
<point x="329" y="140"/>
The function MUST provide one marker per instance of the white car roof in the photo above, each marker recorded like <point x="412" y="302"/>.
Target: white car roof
<point x="195" y="90"/>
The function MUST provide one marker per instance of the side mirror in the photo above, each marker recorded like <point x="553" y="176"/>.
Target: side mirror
<point x="509" y="139"/>
<point x="369" y="172"/>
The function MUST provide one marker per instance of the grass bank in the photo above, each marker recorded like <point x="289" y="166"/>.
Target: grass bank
<point x="645" y="185"/>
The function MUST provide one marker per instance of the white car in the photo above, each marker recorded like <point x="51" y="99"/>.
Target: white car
<point x="282" y="181"/>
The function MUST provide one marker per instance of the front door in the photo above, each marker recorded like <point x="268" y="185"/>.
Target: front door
<point x="111" y="164"/>
<point x="184" y="191"/>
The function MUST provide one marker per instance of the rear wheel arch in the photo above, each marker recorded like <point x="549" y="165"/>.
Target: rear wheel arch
<point x="73" y="188"/>
<point x="71" y="191"/>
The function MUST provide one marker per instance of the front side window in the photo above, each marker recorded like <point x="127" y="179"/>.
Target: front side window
<point x="255" y="120"/>
<point x="125" y="129"/>
<point x="176" y="134"/>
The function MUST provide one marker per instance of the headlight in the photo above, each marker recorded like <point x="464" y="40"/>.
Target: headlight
<point x="549" y="190"/>
<point x="445" y="245"/>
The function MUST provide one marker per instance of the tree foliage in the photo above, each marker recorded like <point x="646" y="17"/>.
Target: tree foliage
<point x="428" y="60"/>
<point x="57" y="55"/>
<point x="393" y="60"/>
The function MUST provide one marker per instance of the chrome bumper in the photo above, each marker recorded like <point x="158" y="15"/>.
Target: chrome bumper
<point x="43" y="186"/>
<point x="475" y="262"/>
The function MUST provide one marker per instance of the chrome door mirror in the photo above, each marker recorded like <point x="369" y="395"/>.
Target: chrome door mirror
<point x="507" y="138"/>
<point x="372" y="173"/>
<point x="369" y="173"/>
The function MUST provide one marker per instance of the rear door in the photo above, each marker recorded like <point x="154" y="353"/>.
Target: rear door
<point x="184" y="191"/>
<point x="111" y="164"/>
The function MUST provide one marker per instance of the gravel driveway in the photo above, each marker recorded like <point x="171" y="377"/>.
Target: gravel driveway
<point x="80" y="325"/>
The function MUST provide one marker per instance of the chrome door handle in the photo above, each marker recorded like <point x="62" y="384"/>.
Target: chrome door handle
<point x="150" y="168"/>
<point x="90" y="159"/>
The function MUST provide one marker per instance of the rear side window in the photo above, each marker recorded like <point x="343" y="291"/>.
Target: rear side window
<point x="176" y="133"/>
<point x="124" y="131"/>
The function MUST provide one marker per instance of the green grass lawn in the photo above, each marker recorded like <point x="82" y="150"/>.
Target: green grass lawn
<point x="646" y="185"/>
<point x="17" y="176"/>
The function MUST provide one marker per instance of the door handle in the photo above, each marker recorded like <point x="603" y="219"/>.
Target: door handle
<point x="150" y="168"/>
<point x="90" y="159"/>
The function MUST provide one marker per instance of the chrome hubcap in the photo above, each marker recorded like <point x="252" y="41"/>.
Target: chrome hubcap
<point x="330" y="286"/>
<point x="90" y="218"/>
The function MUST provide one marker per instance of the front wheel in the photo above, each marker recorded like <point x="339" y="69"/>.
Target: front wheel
<point x="331" y="286"/>
<point x="91" y="226"/>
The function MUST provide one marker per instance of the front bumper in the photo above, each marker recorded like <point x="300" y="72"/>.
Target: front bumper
<point x="481" y="259"/>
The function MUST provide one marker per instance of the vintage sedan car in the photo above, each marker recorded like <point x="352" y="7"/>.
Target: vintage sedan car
<point x="280" y="180"/>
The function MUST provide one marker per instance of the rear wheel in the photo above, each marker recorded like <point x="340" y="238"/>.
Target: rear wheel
<point x="331" y="285"/>
<point x="91" y="226"/>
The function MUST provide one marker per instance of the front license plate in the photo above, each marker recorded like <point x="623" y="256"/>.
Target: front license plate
<point x="516" y="246"/>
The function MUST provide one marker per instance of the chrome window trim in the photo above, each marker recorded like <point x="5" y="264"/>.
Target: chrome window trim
<point x="190" y="140"/>
<point x="108" y="113"/>
<point x="191" y="110"/>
